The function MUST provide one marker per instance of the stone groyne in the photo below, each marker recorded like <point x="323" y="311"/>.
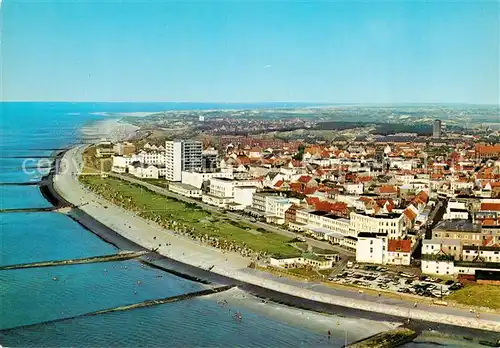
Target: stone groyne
<point x="94" y="259"/>
<point x="143" y="304"/>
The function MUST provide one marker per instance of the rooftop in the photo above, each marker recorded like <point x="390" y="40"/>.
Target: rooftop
<point x="458" y="226"/>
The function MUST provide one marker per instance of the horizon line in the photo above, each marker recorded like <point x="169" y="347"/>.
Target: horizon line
<point x="323" y="103"/>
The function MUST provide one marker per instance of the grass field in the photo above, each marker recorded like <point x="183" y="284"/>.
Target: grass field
<point x="155" y="207"/>
<point x="479" y="295"/>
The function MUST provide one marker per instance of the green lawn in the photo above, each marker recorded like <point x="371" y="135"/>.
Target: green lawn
<point x="322" y="251"/>
<point x="479" y="295"/>
<point x="159" y="208"/>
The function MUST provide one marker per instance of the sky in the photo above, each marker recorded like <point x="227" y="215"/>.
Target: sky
<point x="235" y="51"/>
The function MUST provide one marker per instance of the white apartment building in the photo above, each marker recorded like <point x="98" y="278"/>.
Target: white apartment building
<point x="481" y="253"/>
<point x="276" y="206"/>
<point x="243" y="195"/>
<point x="392" y="225"/>
<point x="435" y="266"/>
<point x="372" y="248"/>
<point x="153" y="157"/>
<point x="221" y="191"/>
<point x="144" y="171"/>
<point x="356" y="189"/>
<point x="197" y="179"/>
<point x="120" y="163"/>
<point x="456" y="211"/>
<point x="182" y="155"/>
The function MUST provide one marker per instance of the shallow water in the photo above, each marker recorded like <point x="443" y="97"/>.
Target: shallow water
<point x="46" y="236"/>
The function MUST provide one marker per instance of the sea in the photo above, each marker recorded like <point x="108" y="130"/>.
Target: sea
<point x="43" y="307"/>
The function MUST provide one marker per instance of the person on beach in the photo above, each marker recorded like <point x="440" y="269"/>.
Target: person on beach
<point x="329" y="334"/>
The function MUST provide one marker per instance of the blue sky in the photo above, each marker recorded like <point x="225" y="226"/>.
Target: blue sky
<point x="365" y="52"/>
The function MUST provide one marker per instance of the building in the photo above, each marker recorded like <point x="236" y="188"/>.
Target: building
<point x="466" y="232"/>
<point x="399" y="252"/>
<point x="448" y="247"/>
<point x="144" y="171"/>
<point x="456" y="211"/>
<point x="182" y="155"/>
<point x="436" y="129"/>
<point x="124" y="149"/>
<point x="392" y="224"/>
<point x="315" y="261"/>
<point x="484" y="151"/>
<point x="209" y="160"/>
<point x="243" y="196"/>
<point x="481" y="253"/>
<point x="276" y="206"/>
<point x="222" y="190"/>
<point x="120" y="163"/>
<point x="259" y="204"/>
<point x="185" y="189"/>
<point x="197" y="179"/>
<point x="102" y="152"/>
<point x="371" y="247"/>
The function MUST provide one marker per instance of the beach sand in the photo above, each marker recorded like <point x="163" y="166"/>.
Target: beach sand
<point x="113" y="130"/>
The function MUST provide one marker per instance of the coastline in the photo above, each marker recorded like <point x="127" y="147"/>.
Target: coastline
<point x="175" y="258"/>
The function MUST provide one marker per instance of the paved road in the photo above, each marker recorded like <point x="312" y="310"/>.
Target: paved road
<point x="234" y="216"/>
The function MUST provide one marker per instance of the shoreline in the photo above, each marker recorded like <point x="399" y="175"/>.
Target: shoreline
<point x="277" y="292"/>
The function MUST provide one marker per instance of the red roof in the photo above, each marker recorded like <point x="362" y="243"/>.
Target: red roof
<point x="410" y="214"/>
<point x="490" y="206"/>
<point x="279" y="183"/>
<point x="312" y="200"/>
<point x="397" y="245"/>
<point x="305" y="179"/>
<point x="387" y="189"/>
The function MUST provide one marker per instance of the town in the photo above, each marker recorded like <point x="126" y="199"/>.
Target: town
<point x="402" y="206"/>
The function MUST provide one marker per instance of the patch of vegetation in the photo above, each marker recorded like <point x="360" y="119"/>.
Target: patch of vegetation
<point x="479" y="295"/>
<point x="172" y="213"/>
<point x="322" y="251"/>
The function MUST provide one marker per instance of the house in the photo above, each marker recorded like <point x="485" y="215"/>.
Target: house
<point x="315" y="261"/>
<point x="447" y="247"/>
<point x="185" y="189"/>
<point x="143" y="171"/>
<point x="398" y="252"/>
<point x="387" y="191"/>
<point x="481" y="253"/>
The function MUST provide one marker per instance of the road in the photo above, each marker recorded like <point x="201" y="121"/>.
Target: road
<point x="234" y="216"/>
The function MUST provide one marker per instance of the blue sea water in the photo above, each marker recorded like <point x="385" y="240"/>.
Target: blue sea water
<point x="31" y="296"/>
<point x="42" y="229"/>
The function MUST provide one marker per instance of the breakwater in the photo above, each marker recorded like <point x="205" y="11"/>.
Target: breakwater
<point x="27" y="210"/>
<point x="388" y="339"/>
<point x="94" y="259"/>
<point x="143" y="304"/>
<point x="19" y="183"/>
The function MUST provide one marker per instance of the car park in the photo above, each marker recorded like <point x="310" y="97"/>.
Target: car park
<point x="381" y="278"/>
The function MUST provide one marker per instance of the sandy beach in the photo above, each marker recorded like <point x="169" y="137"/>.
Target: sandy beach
<point x="231" y="265"/>
<point x="112" y="129"/>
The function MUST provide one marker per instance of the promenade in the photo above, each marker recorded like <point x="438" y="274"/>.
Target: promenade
<point x="187" y="251"/>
